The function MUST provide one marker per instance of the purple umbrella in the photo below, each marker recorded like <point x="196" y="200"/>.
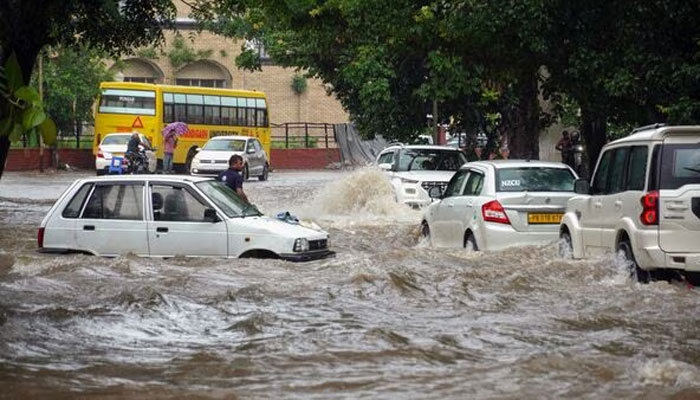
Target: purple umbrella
<point x="175" y="128"/>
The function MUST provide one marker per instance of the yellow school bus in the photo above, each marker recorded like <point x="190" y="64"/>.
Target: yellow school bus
<point x="208" y="112"/>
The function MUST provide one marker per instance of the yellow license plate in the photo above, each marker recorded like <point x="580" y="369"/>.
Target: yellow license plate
<point x="544" y="218"/>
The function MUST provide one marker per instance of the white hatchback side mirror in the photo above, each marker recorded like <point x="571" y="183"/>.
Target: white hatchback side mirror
<point x="385" y="166"/>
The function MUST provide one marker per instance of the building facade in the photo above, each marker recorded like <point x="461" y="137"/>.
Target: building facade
<point x="193" y="58"/>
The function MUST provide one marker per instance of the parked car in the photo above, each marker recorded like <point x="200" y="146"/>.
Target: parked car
<point x="643" y="202"/>
<point x="415" y="169"/>
<point x="165" y="216"/>
<point x="492" y="205"/>
<point x="214" y="155"/>
<point x="114" y="145"/>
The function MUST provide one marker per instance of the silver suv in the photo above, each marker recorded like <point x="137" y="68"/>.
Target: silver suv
<point x="643" y="203"/>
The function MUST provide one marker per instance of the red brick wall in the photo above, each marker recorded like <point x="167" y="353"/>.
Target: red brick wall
<point x="28" y="159"/>
<point x="303" y="158"/>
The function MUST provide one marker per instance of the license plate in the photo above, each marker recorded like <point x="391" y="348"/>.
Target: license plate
<point x="544" y="218"/>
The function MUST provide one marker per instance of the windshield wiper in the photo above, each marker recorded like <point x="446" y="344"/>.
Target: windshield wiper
<point x="696" y="170"/>
<point x="249" y="207"/>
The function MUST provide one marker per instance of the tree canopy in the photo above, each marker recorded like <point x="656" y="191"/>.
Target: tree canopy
<point x="111" y="26"/>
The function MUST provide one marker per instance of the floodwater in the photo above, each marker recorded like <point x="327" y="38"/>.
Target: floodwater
<point x="388" y="318"/>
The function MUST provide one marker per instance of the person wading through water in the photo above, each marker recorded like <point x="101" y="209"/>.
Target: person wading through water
<point x="232" y="176"/>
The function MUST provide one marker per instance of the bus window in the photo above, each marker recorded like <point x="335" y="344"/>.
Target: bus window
<point x="250" y="112"/>
<point x="180" y="107"/>
<point x="212" y="110"/>
<point x="261" y="119"/>
<point x="124" y="101"/>
<point x="168" y="108"/>
<point x="195" y="109"/>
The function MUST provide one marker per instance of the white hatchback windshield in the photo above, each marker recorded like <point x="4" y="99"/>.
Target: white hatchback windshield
<point x="225" y="145"/>
<point x="116" y="139"/>
<point x="227" y="200"/>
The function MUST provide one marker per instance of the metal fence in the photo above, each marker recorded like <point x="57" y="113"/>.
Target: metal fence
<point x="306" y="135"/>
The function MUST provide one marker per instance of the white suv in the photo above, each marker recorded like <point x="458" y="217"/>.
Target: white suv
<point x="414" y="170"/>
<point x="643" y="202"/>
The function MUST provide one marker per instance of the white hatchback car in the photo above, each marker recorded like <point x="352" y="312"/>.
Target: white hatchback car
<point x="165" y="216"/>
<point x="114" y="145"/>
<point x="643" y="202"/>
<point x="214" y="155"/>
<point x="415" y="169"/>
<point x="492" y="205"/>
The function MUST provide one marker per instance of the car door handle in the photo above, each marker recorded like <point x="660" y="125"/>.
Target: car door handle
<point x="162" y="229"/>
<point x="88" y="227"/>
<point x="598" y="205"/>
<point x="618" y="204"/>
<point x="450" y="205"/>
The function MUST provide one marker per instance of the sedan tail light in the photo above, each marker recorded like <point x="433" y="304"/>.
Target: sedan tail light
<point x="40" y="237"/>
<point x="493" y="212"/>
<point x="650" y="208"/>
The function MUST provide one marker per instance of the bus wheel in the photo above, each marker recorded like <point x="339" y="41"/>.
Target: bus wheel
<point x="265" y="172"/>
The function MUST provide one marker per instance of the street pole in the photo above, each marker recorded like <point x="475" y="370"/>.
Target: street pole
<point x="41" y="99"/>
<point x="436" y="132"/>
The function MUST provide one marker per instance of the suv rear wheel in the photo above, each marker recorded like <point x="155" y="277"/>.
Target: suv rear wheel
<point x="624" y="249"/>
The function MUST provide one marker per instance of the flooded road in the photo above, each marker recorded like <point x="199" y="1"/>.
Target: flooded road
<point x="388" y="318"/>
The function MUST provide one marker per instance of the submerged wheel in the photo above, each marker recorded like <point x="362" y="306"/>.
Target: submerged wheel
<point x="425" y="230"/>
<point x="266" y="171"/>
<point x="565" y="246"/>
<point x="470" y="242"/>
<point x="624" y="248"/>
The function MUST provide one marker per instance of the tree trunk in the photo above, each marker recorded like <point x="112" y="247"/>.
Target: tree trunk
<point x="594" y="132"/>
<point x="4" y="149"/>
<point x="523" y="132"/>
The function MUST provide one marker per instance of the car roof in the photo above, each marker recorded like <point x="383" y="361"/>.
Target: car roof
<point x="232" y="137"/>
<point x="499" y="164"/>
<point x="421" y="147"/>
<point x="151" y="177"/>
<point x="658" y="132"/>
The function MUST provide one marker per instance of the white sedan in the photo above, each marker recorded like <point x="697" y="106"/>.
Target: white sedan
<point x="214" y="155"/>
<point x="492" y="205"/>
<point x="166" y="216"/>
<point x="114" y="145"/>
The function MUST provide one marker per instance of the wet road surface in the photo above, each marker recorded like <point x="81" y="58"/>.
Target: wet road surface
<point x="389" y="317"/>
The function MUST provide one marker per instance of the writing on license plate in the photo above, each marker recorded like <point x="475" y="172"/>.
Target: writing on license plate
<point x="544" y="218"/>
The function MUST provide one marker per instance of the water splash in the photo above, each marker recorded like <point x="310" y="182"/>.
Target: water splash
<point x="669" y="373"/>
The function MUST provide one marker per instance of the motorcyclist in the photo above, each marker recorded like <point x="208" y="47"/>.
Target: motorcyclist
<point x="134" y="149"/>
<point x="565" y="146"/>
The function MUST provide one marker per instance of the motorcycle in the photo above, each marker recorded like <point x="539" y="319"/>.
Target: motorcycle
<point x="575" y="157"/>
<point x="137" y="162"/>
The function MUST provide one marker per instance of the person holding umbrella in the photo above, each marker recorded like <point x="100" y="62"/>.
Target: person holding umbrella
<point x="170" y="135"/>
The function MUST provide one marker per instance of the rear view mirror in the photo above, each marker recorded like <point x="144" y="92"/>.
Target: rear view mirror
<point x="581" y="186"/>
<point x="210" y="215"/>
<point x="198" y="149"/>
<point x="251" y="150"/>
<point x="385" y="166"/>
<point x="435" y="192"/>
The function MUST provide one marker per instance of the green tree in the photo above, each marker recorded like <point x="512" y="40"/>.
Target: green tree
<point x="112" y="26"/>
<point x="70" y="78"/>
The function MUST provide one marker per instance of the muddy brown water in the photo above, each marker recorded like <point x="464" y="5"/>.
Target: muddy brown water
<point x="389" y="317"/>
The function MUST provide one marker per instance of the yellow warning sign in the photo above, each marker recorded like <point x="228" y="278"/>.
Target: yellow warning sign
<point x="137" y="123"/>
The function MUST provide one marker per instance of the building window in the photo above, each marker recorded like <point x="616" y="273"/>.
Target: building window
<point x="141" y="79"/>
<point x="216" y="83"/>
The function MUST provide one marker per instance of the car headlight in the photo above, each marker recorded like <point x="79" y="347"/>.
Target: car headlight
<point x="405" y="180"/>
<point x="301" y="245"/>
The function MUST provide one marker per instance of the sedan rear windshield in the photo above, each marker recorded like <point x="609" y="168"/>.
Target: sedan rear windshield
<point x="430" y="160"/>
<point x="116" y="139"/>
<point x="534" y="179"/>
<point x="227" y="200"/>
<point x="225" y="145"/>
<point x="680" y="165"/>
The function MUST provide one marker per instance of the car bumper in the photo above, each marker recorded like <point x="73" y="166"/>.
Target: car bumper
<point x="208" y="170"/>
<point x="649" y="255"/>
<point x="308" y="256"/>
<point x="500" y="236"/>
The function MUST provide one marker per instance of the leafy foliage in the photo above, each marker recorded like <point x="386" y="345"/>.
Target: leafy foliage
<point x="299" y="84"/>
<point x="182" y="54"/>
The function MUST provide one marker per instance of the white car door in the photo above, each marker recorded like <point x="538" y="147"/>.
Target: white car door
<point x="461" y="216"/>
<point x="443" y="228"/>
<point x="612" y="202"/>
<point x="112" y="222"/>
<point x="177" y="223"/>
<point x="591" y="208"/>
<point x="253" y="156"/>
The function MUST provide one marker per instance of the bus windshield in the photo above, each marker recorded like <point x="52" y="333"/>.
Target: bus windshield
<point x="124" y="101"/>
